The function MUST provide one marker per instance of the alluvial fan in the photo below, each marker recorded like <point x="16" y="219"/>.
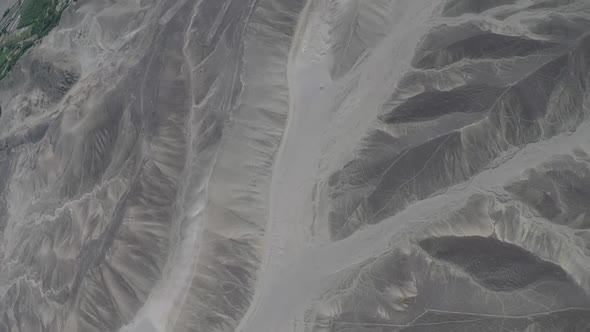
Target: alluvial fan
<point x="295" y="165"/>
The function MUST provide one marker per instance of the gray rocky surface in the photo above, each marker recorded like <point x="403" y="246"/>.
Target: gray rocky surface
<point x="299" y="165"/>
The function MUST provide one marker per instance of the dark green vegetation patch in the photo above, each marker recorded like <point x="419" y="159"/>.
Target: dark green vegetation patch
<point x="11" y="51"/>
<point x="38" y="17"/>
